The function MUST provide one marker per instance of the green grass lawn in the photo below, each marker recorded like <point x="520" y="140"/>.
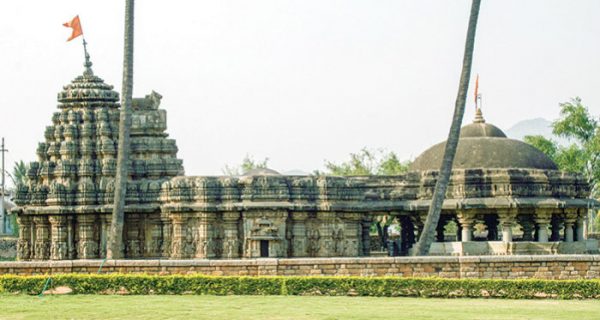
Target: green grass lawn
<point x="287" y="307"/>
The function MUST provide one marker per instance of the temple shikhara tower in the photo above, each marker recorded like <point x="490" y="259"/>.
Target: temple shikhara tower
<point x="504" y="197"/>
<point x="70" y="195"/>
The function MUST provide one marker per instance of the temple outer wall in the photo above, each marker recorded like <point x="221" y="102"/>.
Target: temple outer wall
<point x="482" y="267"/>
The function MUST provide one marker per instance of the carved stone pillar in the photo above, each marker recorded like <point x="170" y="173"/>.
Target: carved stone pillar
<point x="350" y="244"/>
<point x="570" y="220"/>
<point x="418" y="221"/>
<point x="71" y="248"/>
<point x="466" y="220"/>
<point x="152" y="231"/>
<point x="24" y="244"/>
<point x="42" y="238"/>
<point x="132" y="236"/>
<point x="58" y="247"/>
<point x="167" y="229"/>
<point x="104" y="230"/>
<point x="178" y="237"/>
<point x="231" y="240"/>
<point x="366" y="234"/>
<point x="527" y="226"/>
<point x="408" y="234"/>
<point x="87" y="247"/>
<point x="326" y="229"/>
<point x="542" y="219"/>
<point x="206" y="246"/>
<point x="299" y="238"/>
<point x="580" y="235"/>
<point x="507" y="219"/>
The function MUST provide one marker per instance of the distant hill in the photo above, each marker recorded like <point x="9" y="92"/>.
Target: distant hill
<point x="532" y="127"/>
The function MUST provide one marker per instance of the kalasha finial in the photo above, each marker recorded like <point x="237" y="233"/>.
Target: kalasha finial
<point x="478" y="116"/>
<point x="88" y="64"/>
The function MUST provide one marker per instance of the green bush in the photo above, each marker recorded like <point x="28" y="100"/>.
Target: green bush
<point x="141" y="284"/>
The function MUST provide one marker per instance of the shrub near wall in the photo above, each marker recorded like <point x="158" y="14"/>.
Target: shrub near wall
<point x="334" y="286"/>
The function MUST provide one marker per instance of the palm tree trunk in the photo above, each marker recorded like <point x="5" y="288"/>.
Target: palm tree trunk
<point x="115" y="237"/>
<point x="433" y="216"/>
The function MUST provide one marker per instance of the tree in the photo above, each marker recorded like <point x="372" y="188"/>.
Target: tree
<point x="569" y="159"/>
<point x="439" y="193"/>
<point x="115" y="236"/>
<point x="583" y="154"/>
<point x="19" y="174"/>
<point x="367" y="162"/>
<point x="247" y="164"/>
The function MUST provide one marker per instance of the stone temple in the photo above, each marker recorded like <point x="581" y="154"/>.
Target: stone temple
<point x="504" y="197"/>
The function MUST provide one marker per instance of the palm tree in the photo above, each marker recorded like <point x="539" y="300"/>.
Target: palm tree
<point x="433" y="216"/>
<point x="19" y="175"/>
<point x="115" y="236"/>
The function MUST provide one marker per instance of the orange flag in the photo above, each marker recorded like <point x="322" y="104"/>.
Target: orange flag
<point x="74" y="24"/>
<point x="476" y="89"/>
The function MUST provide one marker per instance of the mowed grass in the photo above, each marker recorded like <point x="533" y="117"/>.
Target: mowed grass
<point x="287" y="307"/>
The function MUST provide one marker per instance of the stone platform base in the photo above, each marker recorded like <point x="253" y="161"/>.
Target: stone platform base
<point x="478" y="248"/>
<point x="489" y="267"/>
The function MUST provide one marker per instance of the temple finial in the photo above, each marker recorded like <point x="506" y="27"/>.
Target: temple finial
<point x="478" y="116"/>
<point x="88" y="64"/>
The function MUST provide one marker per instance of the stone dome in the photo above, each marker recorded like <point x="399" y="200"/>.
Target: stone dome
<point x="481" y="129"/>
<point x="261" y="172"/>
<point x="483" y="145"/>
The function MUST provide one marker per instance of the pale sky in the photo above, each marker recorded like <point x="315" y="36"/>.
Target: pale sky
<point x="304" y="81"/>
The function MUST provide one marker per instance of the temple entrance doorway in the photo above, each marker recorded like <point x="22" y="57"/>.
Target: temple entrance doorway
<point x="264" y="248"/>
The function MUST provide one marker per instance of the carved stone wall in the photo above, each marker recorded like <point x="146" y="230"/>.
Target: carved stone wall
<point x="64" y="210"/>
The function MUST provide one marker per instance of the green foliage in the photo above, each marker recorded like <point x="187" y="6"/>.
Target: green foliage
<point x="333" y="286"/>
<point x="547" y="146"/>
<point x="570" y="159"/>
<point x="247" y="164"/>
<point x="19" y="173"/>
<point x="575" y="122"/>
<point x="390" y="165"/>
<point x="367" y="162"/>
<point x="583" y="154"/>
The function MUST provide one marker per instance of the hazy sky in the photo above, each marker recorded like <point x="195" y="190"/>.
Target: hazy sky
<point x="301" y="81"/>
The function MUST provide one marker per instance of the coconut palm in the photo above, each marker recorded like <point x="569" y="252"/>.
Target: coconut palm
<point x="115" y="237"/>
<point x="433" y="216"/>
<point x="19" y="174"/>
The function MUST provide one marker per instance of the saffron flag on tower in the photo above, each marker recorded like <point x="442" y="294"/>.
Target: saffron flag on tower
<point x="476" y="89"/>
<point x="74" y="24"/>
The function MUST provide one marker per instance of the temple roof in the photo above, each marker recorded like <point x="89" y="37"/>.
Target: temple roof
<point x="479" y="128"/>
<point x="483" y="145"/>
<point x="88" y="89"/>
<point x="261" y="172"/>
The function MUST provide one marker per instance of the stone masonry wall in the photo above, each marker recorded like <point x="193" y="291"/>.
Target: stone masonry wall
<point x="8" y="248"/>
<point x="488" y="267"/>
